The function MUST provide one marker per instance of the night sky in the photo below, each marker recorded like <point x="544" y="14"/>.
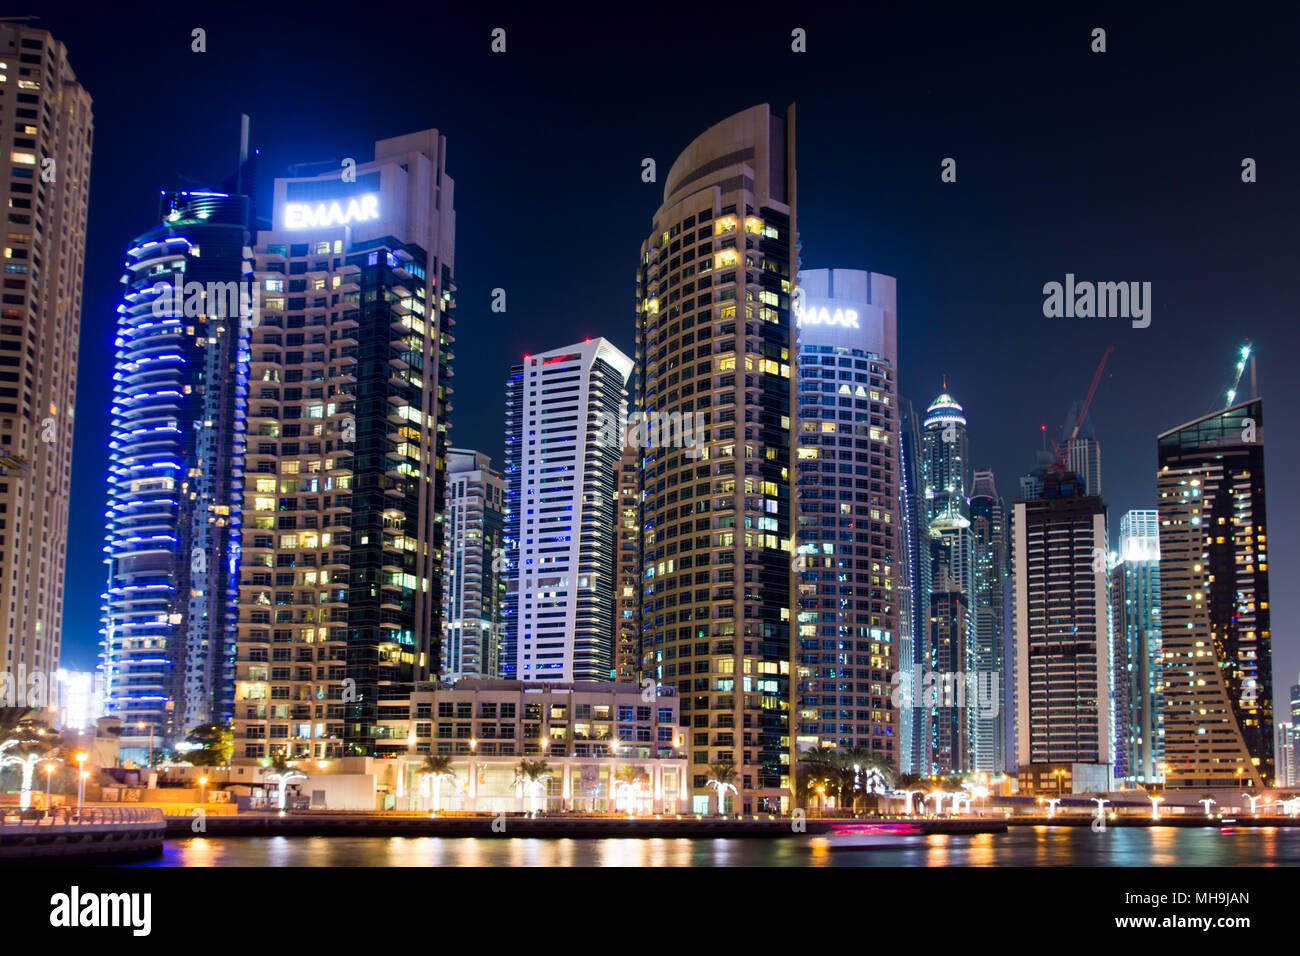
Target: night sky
<point x="1122" y="166"/>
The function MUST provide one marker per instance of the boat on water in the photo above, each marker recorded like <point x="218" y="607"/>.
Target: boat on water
<point x="868" y="836"/>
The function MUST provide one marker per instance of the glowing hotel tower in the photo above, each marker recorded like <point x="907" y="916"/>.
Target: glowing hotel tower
<point x="715" y="335"/>
<point x="48" y="130"/>
<point x="560" y="512"/>
<point x="175" y="483"/>
<point x="1214" y="601"/>
<point x="848" y="531"/>
<point x="340" y="605"/>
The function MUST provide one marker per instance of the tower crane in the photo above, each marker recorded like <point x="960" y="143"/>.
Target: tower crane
<point x="1061" y="452"/>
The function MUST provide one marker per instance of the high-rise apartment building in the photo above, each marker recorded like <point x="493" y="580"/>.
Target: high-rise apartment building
<point x="627" y="565"/>
<point x="989" y="546"/>
<point x="847" y="509"/>
<point x="176" y="470"/>
<point x="1295" y="734"/>
<point x="947" y="481"/>
<point x="561" y="533"/>
<point x="715" y="335"/>
<point x="341" y="587"/>
<point x="1136" y="649"/>
<point x="949" y="709"/>
<point x="1062" y="626"/>
<point x="1214" y="600"/>
<point x="474" y="584"/>
<point x="1285" y="750"/>
<point x="914" y="594"/>
<point x="46" y="130"/>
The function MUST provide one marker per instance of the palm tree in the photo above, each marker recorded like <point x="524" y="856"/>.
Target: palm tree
<point x="25" y="743"/>
<point x="436" y="767"/>
<point x="282" y="772"/>
<point x="722" y="777"/>
<point x="628" y="778"/>
<point x="10" y="719"/>
<point x="531" y="773"/>
<point x="215" y="745"/>
<point x="820" y="767"/>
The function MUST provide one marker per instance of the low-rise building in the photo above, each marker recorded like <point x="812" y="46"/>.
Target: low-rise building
<point x="605" y="747"/>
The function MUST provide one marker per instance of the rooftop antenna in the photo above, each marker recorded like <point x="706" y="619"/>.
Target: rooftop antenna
<point x="243" y="153"/>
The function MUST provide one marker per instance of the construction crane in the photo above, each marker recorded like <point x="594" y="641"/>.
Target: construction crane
<point x="1062" y="452"/>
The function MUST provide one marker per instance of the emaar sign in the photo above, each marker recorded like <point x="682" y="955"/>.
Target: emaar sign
<point x="821" y="315"/>
<point x="306" y="215"/>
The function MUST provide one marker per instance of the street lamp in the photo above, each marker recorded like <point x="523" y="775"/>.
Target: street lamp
<point x="49" y="769"/>
<point x="1155" y="807"/>
<point x="203" y="796"/>
<point x="140" y="726"/>
<point x="81" y="785"/>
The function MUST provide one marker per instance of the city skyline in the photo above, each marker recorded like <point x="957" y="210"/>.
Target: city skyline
<point x="941" y="324"/>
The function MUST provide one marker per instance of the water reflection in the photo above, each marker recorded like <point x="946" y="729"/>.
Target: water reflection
<point x="1020" y="846"/>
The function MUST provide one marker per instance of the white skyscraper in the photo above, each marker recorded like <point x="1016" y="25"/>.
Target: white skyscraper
<point x="560" y="514"/>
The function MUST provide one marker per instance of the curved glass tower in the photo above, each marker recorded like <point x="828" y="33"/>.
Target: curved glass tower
<point x="175" y="479"/>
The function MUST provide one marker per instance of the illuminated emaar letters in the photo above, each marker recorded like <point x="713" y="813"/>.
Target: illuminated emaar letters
<point x="847" y="318"/>
<point x="305" y="215"/>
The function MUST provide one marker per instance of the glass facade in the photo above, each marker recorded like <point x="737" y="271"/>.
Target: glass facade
<point x="176" y="472"/>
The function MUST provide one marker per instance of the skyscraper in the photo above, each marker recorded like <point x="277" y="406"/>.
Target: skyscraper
<point x="1062" y="630"/>
<point x="341" y="591"/>
<point x="560" y="511"/>
<point x="947" y="480"/>
<point x="847" y="535"/>
<point x="1214" y="600"/>
<point x="715" y="335"/>
<point x="1083" y="454"/>
<point x="176" y="470"/>
<point x="474" y="571"/>
<point x="1137" y="650"/>
<point x="47" y="117"/>
<point x="989" y="544"/>
<point x="944" y="689"/>
<point x="914" y="592"/>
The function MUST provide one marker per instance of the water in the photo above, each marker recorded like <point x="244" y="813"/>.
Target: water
<point x="1020" y="846"/>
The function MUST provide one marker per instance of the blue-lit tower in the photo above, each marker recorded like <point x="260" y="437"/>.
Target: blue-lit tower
<point x="175" y="478"/>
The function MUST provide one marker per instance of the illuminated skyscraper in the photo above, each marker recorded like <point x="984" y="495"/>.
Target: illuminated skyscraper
<point x="914" y="593"/>
<point x="1062" y="626"/>
<point x="1214" y="600"/>
<point x="715" y="335"/>
<point x="474" y="571"/>
<point x="989" y="546"/>
<point x="848" y="502"/>
<point x="176" y="470"/>
<point x="560" y="512"/>
<point x="341" y="591"/>
<point x="1137" y="650"/>
<point x="48" y="131"/>
<point x="947" y="480"/>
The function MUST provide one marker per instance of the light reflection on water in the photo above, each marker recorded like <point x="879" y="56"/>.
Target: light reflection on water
<point x="1021" y="846"/>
